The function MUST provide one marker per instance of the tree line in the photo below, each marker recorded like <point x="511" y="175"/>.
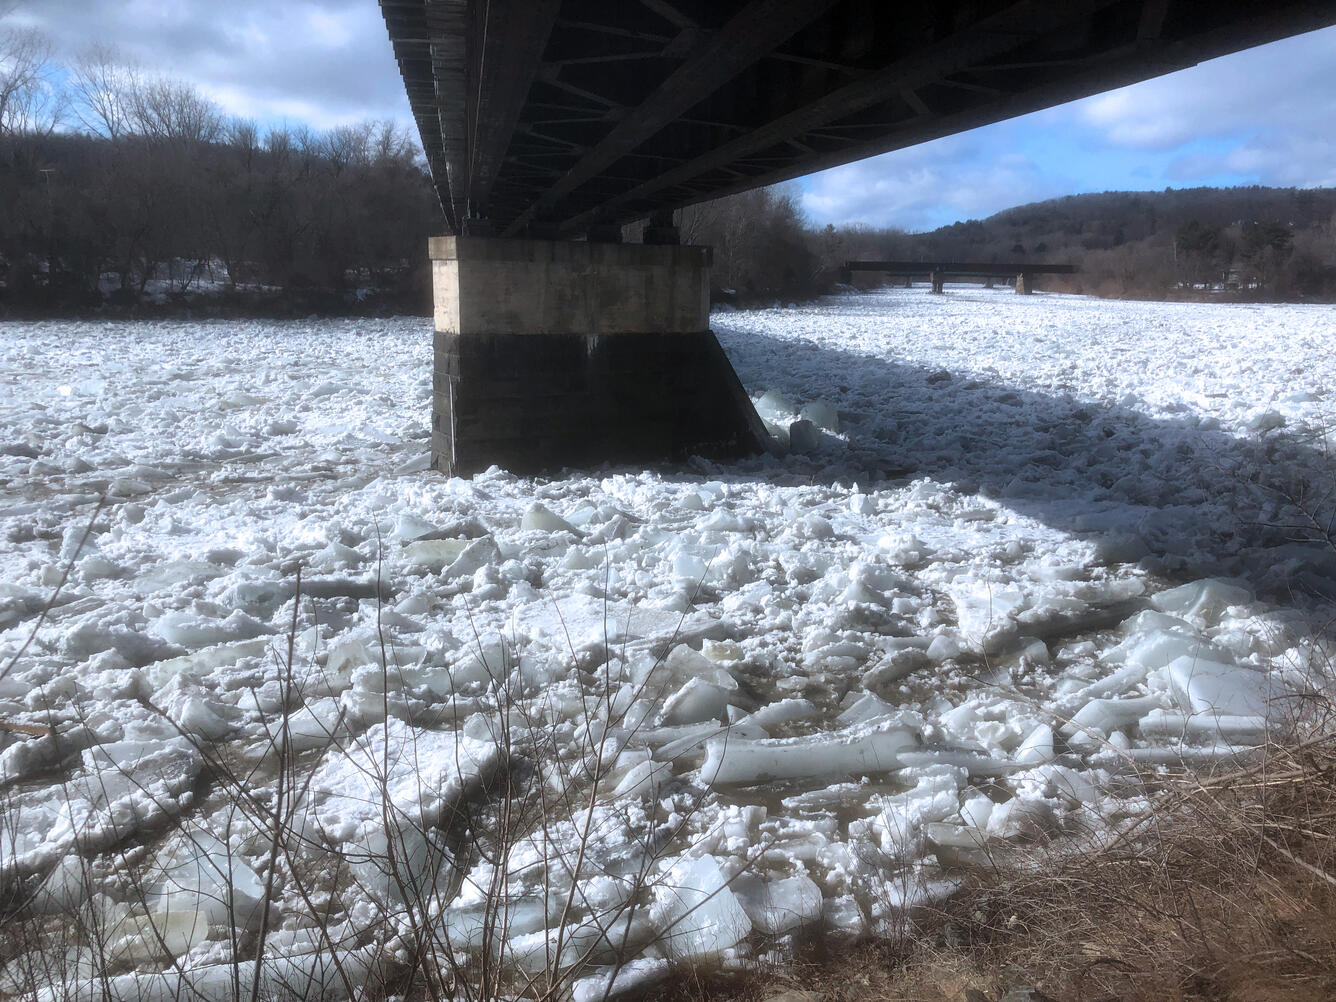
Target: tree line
<point x="117" y="185"/>
<point x="1246" y="242"/>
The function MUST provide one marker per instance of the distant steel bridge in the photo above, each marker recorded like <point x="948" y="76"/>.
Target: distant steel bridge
<point x="938" y="271"/>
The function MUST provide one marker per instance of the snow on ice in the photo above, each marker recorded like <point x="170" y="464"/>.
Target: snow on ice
<point x="1005" y="548"/>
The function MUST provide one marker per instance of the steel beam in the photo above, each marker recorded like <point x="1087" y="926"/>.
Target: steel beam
<point x="750" y="35"/>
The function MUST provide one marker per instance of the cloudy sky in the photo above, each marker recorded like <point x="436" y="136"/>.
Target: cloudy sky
<point x="1264" y="116"/>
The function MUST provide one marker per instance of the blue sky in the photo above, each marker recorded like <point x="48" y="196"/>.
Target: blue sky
<point x="1264" y="116"/>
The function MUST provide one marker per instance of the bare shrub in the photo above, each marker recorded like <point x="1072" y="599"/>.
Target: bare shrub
<point x="510" y="853"/>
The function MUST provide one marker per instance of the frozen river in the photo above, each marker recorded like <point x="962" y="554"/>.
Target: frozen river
<point x="1036" y="548"/>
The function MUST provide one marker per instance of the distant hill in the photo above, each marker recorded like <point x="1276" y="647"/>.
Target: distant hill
<point x="1276" y="243"/>
<point x="1077" y="224"/>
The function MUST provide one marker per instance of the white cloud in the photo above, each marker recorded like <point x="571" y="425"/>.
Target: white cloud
<point x="919" y="188"/>
<point x="1284" y="160"/>
<point x="320" y="62"/>
<point x="1289" y="85"/>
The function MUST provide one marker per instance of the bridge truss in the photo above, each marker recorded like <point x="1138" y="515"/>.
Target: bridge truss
<point x="553" y="117"/>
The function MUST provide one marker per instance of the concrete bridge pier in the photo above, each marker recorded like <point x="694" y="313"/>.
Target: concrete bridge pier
<point x="938" y="282"/>
<point x="552" y="353"/>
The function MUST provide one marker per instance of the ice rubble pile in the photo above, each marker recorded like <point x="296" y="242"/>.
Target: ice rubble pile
<point x="809" y="688"/>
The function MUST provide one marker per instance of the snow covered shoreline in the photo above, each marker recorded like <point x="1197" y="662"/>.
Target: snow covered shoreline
<point x="1016" y="553"/>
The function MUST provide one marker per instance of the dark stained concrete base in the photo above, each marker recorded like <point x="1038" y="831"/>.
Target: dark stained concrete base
<point x="531" y="403"/>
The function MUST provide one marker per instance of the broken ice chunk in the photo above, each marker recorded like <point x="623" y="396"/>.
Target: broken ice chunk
<point x="410" y="527"/>
<point x="778" y="906"/>
<point x="205" y="661"/>
<point x="478" y="554"/>
<point x="205" y="891"/>
<point x="613" y="982"/>
<point x="315" y="724"/>
<point x="1100" y="717"/>
<point x="864" y="750"/>
<point x="123" y="786"/>
<point x="976" y="809"/>
<point x="905" y="549"/>
<point x="783" y="710"/>
<point x="642" y="779"/>
<point x="821" y="413"/>
<point x="844" y="916"/>
<point x="945" y="646"/>
<point x="986" y="611"/>
<point x="697" y="701"/>
<point x="542" y="519"/>
<point x="1020" y="816"/>
<point x="194" y="710"/>
<point x="1156" y="648"/>
<point x="775" y="408"/>
<point x="1037" y="747"/>
<point x="1201" y="601"/>
<point x="434" y="554"/>
<point x="721" y="652"/>
<point x="1202" y="686"/>
<point x="1227" y="727"/>
<point x="934" y="797"/>
<point x="861" y="709"/>
<point x="192" y="628"/>
<point x="696" y="913"/>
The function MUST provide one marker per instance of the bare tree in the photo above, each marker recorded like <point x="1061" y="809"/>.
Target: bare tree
<point x="29" y="101"/>
<point x="104" y="85"/>
<point x="243" y="135"/>
<point x="169" y="110"/>
<point x="116" y="99"/>
<point x="347" y="145"/>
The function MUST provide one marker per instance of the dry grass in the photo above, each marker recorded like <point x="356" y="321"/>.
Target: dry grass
<point x="1227" y="891"/>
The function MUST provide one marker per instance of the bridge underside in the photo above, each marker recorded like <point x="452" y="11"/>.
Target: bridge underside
<point x="562" y="120"/>
<point x="557" y="116"/>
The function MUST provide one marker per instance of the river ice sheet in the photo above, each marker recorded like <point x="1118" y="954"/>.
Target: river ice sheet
<point x="1020" y="547"/>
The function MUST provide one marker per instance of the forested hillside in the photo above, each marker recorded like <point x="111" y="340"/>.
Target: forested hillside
<point x="1252" y="241"/>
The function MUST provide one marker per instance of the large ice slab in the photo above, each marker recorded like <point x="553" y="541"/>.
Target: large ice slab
<point x="1201" y="686"/>
<point x="861" y="750"/>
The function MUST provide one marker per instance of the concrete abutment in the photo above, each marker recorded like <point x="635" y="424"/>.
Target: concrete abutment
<point x="552" y="353"/>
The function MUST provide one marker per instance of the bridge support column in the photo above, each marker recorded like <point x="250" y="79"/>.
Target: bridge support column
<point x="551" y="354"/>
<point x="661" y="229"/>
<point x="1023" y="285"/>
<point x="909" y="281"/>
<point x="937" y="282"/>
